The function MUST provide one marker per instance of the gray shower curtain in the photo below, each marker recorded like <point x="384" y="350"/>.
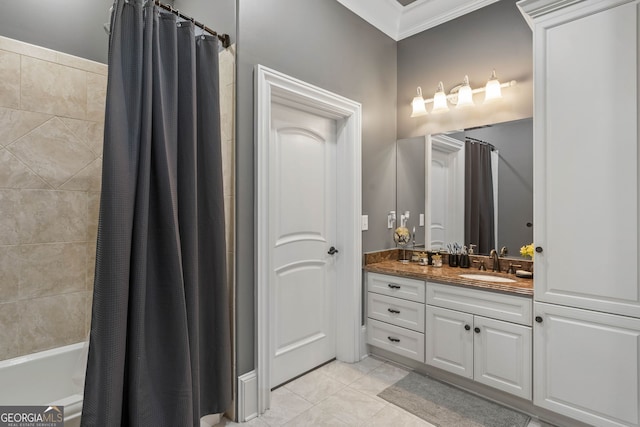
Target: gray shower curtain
<point x="479" y="224"/>
<point x="159" y="352"/>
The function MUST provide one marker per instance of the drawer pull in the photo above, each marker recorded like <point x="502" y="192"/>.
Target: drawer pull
<point x="392" y="286"/>
<point x="393" y="339"/>
<point x="391" y="310"/>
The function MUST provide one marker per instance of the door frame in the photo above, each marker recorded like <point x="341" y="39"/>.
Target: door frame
<point x="272" y="86"/>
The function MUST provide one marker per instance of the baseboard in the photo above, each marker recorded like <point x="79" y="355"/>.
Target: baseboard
<point x="247" y="396"/>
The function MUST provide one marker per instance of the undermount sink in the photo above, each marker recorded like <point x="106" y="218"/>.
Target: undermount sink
<point x="487" y="278"/>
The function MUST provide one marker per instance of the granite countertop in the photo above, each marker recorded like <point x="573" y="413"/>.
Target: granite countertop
<point x="450" y="275"/>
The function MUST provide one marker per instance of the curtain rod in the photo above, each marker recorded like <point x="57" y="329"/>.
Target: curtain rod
<point x="493" y="147"/>
<point x="224" y="38"/>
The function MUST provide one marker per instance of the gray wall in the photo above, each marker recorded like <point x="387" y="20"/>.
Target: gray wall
<point x="70" y="26"/>
<point x="219" y="15"/>
<point x="495" y="36"/>
<point x="322" y="43"/>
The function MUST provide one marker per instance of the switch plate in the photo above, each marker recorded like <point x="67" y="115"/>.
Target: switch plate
<point x="365" y="222"/>
<point x="391" y="219"/>
<point x="421" y="220"/>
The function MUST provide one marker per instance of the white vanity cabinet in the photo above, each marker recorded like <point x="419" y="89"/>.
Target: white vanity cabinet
<point x="491" y="351"/>
<point x="395" y="311"/>
<point x="586" y="208"/>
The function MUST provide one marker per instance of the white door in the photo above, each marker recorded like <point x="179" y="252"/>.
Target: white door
<point x="586" y="365"/>
<point x="449" y="340"/>
<point x="502" y="355"/>
<point x="302" y="216"/>
<point x="445" y="191"/>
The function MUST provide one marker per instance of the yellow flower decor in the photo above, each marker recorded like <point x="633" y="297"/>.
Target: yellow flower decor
<point x="527" y="251"/>
<point x="401" y="236"/>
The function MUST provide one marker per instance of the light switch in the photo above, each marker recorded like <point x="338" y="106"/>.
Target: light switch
<point x="421" y="220"/>
<point x="365" y="222"/>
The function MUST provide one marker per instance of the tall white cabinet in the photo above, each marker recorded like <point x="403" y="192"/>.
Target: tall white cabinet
<point x="586" y="175"/>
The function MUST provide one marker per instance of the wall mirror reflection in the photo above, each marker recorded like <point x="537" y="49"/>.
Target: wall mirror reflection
<point x="473" y="186"/>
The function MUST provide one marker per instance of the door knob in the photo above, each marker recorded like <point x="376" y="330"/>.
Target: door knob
<point x="332" y="251"/>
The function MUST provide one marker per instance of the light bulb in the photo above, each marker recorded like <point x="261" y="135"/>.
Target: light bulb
<point x="417" y="105"/>
<point x="440" y="100"/>
<point x="465" y="96"/>
<point x="493" y="91"/>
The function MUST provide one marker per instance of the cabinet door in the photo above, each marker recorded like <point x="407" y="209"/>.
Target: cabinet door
<point x="586" y="156"/>
<point x="449" y="340"/>
<point x="502" y="356"/>
<point x="586" y="365"/>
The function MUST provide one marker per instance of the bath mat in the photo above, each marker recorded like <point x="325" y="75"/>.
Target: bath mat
<point x="444" y="406"/>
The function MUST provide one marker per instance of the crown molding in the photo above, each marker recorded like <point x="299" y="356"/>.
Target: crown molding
<point x="400" y="22"/>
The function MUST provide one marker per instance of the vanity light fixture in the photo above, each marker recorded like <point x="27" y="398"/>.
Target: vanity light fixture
<point x="461" y="96"/>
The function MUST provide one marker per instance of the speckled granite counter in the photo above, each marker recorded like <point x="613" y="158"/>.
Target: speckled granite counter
<point x="451" y="275"/>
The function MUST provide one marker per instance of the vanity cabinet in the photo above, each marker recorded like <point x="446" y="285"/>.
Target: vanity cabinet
<point x="395" y="311"/>
<point x="493" y="352"/>
<point x="586" y="214"/>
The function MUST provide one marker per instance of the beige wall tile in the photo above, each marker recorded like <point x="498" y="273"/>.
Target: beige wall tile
<point x="9" y="273"/>
<point x="53" y="152"/>
<point x="229" y="218"/>
<point x="91" y="133"/>
<point x="228" y="167"/>
<point x="88" y="179"/>
<point x="52" y="88"/>
<point x="10" y="343"/>
<point x="9" y="79"/>
<point x="47" y="216"/>
<point x="15" y="174"/>
<point x="54" y="321"/>
<point x="93" y="214"/>
<point x="96" y="96"/>
<point x="27" y="49"/>
<point x="52" y="269"/>
<point x="17" y="123"/>
<point x="81" y="63"/>
<point x="91" y="265"/>
<point x="9" y="224"/>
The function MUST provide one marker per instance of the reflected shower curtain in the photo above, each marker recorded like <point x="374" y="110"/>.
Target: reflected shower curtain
<point x="479" y="225"/>
<point x="159" y="352"/>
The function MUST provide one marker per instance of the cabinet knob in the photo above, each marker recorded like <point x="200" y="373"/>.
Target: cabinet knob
<point x="538" y="249"/>
<point x="539" y="319"/>
<point x="467" y="327"/>
<point x="476" y="330"/>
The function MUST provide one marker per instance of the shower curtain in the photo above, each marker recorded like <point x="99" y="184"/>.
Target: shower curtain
<point x="479" y="224"/>
<point x="159" y="352"/>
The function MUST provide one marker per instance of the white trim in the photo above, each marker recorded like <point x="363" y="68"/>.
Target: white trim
<point x="272" y="85"/>
<point x="400" y="22"/>
<point x="247" y="396"/>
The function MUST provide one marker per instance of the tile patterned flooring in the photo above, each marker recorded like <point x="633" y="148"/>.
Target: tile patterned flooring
<point x="339" y="394"/>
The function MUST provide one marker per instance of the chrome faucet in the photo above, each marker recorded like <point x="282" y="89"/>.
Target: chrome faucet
<point x="496" y="260"/>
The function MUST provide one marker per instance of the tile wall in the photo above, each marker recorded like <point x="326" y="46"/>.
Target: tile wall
<point x="51" y="127"/>
<point x="51" y="130"/>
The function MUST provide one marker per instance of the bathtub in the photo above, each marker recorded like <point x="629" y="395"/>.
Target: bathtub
<point x="51" y="377"/>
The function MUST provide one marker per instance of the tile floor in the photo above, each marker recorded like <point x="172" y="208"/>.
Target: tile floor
<point x="339" y="394"/>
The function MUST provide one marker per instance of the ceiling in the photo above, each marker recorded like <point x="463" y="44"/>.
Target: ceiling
<point x="400" y="19"/>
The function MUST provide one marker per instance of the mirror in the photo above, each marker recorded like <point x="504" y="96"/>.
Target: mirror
<point x="431" y="175"/>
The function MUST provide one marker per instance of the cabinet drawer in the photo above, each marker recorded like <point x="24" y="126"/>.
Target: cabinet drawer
<point x="399" y="312"/>
<point x="395" y="339"/>
<point x="400" y="287"/>
<point x="484" y="303"/>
